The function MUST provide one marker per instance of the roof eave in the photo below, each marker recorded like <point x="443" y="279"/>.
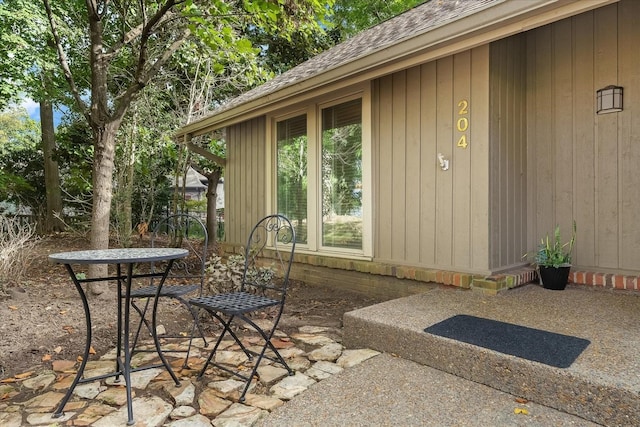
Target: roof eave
<point x="490" y="24"/>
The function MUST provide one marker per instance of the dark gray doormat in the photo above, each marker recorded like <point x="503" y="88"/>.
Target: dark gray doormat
<point x="532" y="344"/>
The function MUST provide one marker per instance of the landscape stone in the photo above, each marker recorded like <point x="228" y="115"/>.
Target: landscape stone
<point x="228" y="388"/>
<point x="47" y="418"/>
<point x="44" y="402"/>
<point x="292" y="386"/>
<point x="312" y="339"/>
<point x="103" y="405"/>
<point x="299" y="363"/>
<point x="182" y="412"/>
<point x="10" y="419"/>
<point x="140" y="379"/>
<point x="329" y="352"/>
<point x="116" y="396"/>
<point x="89" y="390"/>
<point x="193" y="421"/>
<point x="351" y="358"/>
<point x="270" y="374"/>
<point x="268" y="403"/>
<point x="147" y="412"/>
<point x="233" y="358"/>
<point x="239" y="415"/>
<point x="210" y="404"/>
<point x="289" y="353"/>
<point x="323" y="370"/>
<point x="92" y="414"/>
<point x="183" y="395"/>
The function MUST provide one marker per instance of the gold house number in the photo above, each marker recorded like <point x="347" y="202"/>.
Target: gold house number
<point x="463" y="123"/>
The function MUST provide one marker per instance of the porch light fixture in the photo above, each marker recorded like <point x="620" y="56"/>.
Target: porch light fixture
<point x="609" y="99"/>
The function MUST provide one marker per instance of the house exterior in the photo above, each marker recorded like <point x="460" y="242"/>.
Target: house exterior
<point x="441" y="145"/>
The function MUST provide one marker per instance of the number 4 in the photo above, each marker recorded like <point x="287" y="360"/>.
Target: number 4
<point x="462" y="142"/>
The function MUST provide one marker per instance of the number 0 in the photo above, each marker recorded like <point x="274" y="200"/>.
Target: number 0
<point x="463" y="124"/>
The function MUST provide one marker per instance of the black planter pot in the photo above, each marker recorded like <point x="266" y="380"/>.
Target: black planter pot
<point x="554" y="278"/>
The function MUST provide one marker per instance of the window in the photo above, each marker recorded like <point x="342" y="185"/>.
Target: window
<point x="320" y="175"/>
<point x="291" y="141"/>
<point x="342" y="175"/>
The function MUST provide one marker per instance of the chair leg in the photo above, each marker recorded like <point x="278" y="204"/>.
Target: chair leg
<point x="215" y="347"/>
<point x="143" y="319"/>
<point x="267" y="345"/>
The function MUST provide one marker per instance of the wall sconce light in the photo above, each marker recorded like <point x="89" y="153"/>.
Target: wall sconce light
<point x="609" y="99"/>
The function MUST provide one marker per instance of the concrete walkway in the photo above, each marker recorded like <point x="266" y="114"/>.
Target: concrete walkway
<point x="390" y="391"/>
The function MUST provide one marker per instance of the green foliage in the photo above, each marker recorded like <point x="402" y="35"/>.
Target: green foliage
<point x="28" y="63"/>
<point x="21" y="160"/>
<point x="552" y="252"/>
<point x="354" y="16"/>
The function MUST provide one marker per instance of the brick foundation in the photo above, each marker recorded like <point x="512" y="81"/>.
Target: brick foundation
<point x="317" y="269"/>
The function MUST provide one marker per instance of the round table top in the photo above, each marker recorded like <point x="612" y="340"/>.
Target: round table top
<point x="118" y="255"/>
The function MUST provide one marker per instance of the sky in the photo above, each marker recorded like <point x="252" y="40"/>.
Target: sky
<point x="33" y="109"/>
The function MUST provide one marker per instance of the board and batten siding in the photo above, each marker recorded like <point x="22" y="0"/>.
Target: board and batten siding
<point x="423" y="215"/>
<point x="581" y="165"/>
<point x="508" y="153"/>
<point x="245" y="177"/>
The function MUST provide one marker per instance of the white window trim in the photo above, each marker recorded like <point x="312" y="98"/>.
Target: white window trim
<point x="314" y="245"/>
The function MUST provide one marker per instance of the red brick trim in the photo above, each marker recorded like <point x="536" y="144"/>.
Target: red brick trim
<point x="605" y="280"/>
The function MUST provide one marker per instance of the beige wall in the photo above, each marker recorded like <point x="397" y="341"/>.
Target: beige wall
<point x="538" y="155"/>
<point x="425" y="216"/>
<point x="246" y="197"/>
<point x="508" y="153"/>
<point x="581" y="165"/>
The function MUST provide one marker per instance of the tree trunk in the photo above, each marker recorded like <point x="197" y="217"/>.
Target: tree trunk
<point x="53" y="221"/>
<point x="212" y="198"/>
<point x="104" y="144"/>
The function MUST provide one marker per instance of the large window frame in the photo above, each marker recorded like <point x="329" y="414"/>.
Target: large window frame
<point x="313" y="111"/>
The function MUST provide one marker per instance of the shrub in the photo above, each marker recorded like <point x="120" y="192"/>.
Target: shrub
<point x="17" y="243"/>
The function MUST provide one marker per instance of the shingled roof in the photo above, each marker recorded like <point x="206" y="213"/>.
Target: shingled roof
<point x="436" y="27"/>
<point x="414" y="22"/>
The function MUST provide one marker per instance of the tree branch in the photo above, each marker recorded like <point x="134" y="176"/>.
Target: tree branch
<point x="140" y="80"/>
<point x="64" y="63"/>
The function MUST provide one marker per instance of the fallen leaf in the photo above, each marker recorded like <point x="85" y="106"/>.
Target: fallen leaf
<point x="5" y="396"/>
<point x="57" y="350"/>
<point x="46" y="357"/>
<point x="8" y="380"/>
<point x="24" y="375"/>
<point x="521" y="400"/>
<point x="522" y="411"/>
<point x="79" y="358"/>
<point x="68" y="328"/>
<point x="13" y="307"/>
<point x="63" y="312"/>
<point x="92" y="350"/>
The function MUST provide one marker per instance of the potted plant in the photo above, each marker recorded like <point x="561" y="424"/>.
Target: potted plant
<point x="553" y="260"/>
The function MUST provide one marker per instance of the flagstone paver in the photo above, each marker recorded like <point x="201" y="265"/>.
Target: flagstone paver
<point x="314" y="353"/>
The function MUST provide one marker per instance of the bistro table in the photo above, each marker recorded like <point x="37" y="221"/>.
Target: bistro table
<point x="123" y="259"/>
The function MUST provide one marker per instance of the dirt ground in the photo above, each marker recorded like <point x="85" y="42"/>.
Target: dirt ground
<point x="42" y="320"/>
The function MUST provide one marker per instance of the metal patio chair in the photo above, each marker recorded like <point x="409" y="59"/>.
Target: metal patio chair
<point x="186" y="276"/>
<point x="268" y="258"/>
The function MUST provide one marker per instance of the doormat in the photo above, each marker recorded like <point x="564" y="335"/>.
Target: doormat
<point x="532" y="344"/>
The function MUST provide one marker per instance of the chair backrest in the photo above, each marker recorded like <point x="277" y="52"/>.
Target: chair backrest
<point x="268" y="256"/>
<point x="188" y="232"/>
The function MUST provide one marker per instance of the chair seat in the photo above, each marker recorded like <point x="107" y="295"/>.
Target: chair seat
<point x="169" y="290"/>
<point x="234" y="303"/>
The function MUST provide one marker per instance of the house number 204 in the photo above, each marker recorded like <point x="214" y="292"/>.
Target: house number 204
<point x="462" y="125"/>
